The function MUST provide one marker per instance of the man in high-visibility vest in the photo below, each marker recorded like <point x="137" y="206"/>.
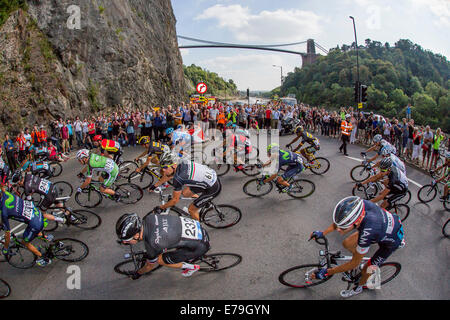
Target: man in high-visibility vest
<point x="346" y="129"/>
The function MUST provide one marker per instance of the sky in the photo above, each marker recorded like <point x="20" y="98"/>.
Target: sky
<point x="425" y="22"/>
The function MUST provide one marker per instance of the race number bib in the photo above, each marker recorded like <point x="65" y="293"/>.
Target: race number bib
<point x="190" y="229"/>
<point x="28" y="209"/>
<point x="109" y="166"/>
<point x="44" y="186"/>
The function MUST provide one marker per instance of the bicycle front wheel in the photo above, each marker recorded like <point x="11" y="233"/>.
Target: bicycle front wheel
<point x="84" y="219"/>
<point x="126" y="168"/>
<point x="88" y="198"/>
<point x="301" y="188"/>
<point x="218" y="261"/>
<point x="21" y="257"/>
<point x="55" y="168"/>
<point x="63" y="189"/>
<point x="130" y="266"/>
<point x="320" y="165"/>
<point x="300" y="276"/>
<point x="129" y="193"/>
<point x="255" y="189"/>
<point x="367" y="193"/>
<point x="5" y="289"/>
<point x="223" y="216"/>
<point x="402" y="210"/>
<point x="427" y="193"/>
<point x="141" y="179"/>
<point x="70" y="250"/>
<point x="252" y="170"/>
<point x="359" y="173"/>
<point x="446" y="229"/>
<point x="220" y="168"/>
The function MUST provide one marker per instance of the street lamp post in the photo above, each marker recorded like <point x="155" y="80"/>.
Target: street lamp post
<point x="357" y="59"/>
<point x="281" y="68"/>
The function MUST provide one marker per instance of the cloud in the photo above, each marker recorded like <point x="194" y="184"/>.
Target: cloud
<point x="184" y="52"/>
<point x="440" y="8"/>
<point x="265" y="26"/>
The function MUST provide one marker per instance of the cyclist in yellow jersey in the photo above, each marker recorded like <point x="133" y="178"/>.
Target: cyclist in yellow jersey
<point x="108" y="148"/>
<point x="153" y="151"/>
<point x="306" y="138"/>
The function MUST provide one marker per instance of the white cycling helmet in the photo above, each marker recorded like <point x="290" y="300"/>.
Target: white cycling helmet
<point x="377" y="138"/>
<point x="347" y="212"/>
<point x="83" y="153"/>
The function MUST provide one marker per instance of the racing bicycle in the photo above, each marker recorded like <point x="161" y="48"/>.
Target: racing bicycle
<point x="300" y="276"/>
<point x="429" y="191"/>
<point x="317" y="165"/>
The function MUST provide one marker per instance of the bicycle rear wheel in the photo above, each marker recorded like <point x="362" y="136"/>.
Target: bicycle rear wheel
<point x="301" y="188"/>
<point x="55" y="168"/>
<point x="226" y="216"/>
<point x="71" y="250"/>
<point x="405" y="199"/>
<point x="21" y="257"/>
<point x="130" y="266"/>
<point x="446" y="229"/>
<point x="402" y="210"/>
<point x="389" y="271"/>
<point x="218" y="261"/>
<point x="84" y="219"/>
<point x="129" y="193"/>
<point x="320" y="165"/>
<point x="220" y="168"/>
<point x="51" y="225"/>
<point x="367" y="193"/>
<point x="141" y="179"/>
<point x="63" y="189"/>
<point x="88" y="198"/>
<point x="359" y="173"/>
<point x="126" y="168"/>
<point x="299" y="276"/>
<point x="255" y="189"/>
<point x="252" y="170"/>
<point x="427" y="193"/>
<point x="5" y="289"/>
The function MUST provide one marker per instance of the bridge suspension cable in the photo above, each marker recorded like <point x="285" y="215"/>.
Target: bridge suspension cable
<point x="246" y="45"/>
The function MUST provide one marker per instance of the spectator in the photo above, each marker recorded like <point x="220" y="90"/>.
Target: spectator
<point x="417" y="138"/>
<point x="131" y="133"/>
<point x="426" y="147"/>
<point x="78" y="131"/>
<point x="65" y="138"/>
<point x="8" y="147"/>
<point x="437" y="139"/>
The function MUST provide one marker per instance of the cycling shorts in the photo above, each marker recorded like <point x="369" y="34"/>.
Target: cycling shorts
<point x="206" y="195"/>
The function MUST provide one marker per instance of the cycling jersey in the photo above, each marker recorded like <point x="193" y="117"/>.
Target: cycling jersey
<point x="38" y="167"/>
<point x="157" y="148"/>
<point x="382" y="227"/>
<point x="191" y="174"/>
<point x="292" y="160"/>
<point x="33" y="184"/>
<point x="309" y="138"/>
<point x="397" y="180"/>
<point x="387" y="145"/>
<point x="179" y="136"/>
<point x="13" y="207"/>
<point x="163" y="232"/>
<point x="102" y="164"/>
<point x="398" y="163"/>
<point x="110" y="145"/>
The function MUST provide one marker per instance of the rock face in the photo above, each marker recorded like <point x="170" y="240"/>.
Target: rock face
<point x="124" y="53"/>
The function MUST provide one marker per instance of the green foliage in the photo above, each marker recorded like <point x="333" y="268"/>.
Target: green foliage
<point x="101" y="9"/>
<point x="395" y="76"/>
<point x="93" y="96"/>
<point x="216" y="85"/>
<point x="9" y="6"/>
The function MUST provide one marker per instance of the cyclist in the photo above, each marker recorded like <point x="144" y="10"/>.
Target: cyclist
<point x="4" y="172"/>
<point x="395" y="182"/>
<point x="13" y="207"/>
<point x="94" y="163"/>
<point x="373" y="225"/>
<point x="378" y="143"/>
<point x="153" y="152"/>
<point x="445" y="176"/>
<point x="108" y="148"/>
<point x="306" y="137"/>
<point x="389" y="152"/>
<point x="38" y="168"/>
<point x="189" y="179"/>
<point x="239" y="144"/>
<point x="291" y="159"/>
<point x="180" y="138"/>
<point x="161" y="233"/>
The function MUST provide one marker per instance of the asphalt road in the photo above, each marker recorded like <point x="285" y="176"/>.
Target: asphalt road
<point x="272" y="236"/>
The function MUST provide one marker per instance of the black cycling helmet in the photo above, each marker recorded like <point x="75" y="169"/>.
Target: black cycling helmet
<point x="127" y="226"/>
<point x="386" y="163"/>
<point x="347" y="212"/>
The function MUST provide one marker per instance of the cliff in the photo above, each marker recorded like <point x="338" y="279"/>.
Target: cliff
<point x="124" y="53"/>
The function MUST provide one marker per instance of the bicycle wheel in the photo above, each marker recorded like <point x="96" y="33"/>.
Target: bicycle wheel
<point x="129" y="193"/>
<point x="56" y="169"/>
<point x="130" y="266"/>
<point x="218" y="261"/>
<point x="402" y="210"/>
<point x="301" y="188"/>
<point x="63" y="189"/>
<point x="255" y="189"/>
<point x="21" y="257"/>
<point x="252" y="170"/>
<point x="405" y="199"/>
<point x="5" y="289"/>
<point x="141" y="179"/>
<point x="427" y="193"/>
<point x="389" y="271"/>
<point x="35" y="197"/>
<point x="226" y="216"/>
<point x="359" y="173"/>
<point x="446" y="204"/>
<point x="84" y="219"/>
<point x="320" y="165"/>
<point x="51" y="225"/>
<point x="126" y="168"/>
<point x="220" y="168"/>
<point x="71" y="250"/>
<point x="88" y="198"/>
<point x="366" y="193"/>
<point x="446" y="229"/>
<point x="299" y="276"/>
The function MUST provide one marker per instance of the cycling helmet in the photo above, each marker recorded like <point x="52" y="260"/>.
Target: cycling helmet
<point x="377" y="138"/>
<point x="385" y="151"/>
<point x="127" y="226"/>
<point x="447" y="155"/>
<point x="83" y="153"/>
<point x="385" y="164"/>
<point x="167" y="159"/>
<point x="144" y="140"/>
<point x="169" y="130"/>
<point x="273" y="146"/>
<point x="98" y="138"/>
<point x="347" y="212"/>
<point x="16" y="177"/>
<point x="298" y="129"/>
<point x="347" y="116"/>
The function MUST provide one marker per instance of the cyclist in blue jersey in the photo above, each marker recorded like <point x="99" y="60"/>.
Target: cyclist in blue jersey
<point x="390" y="152"/>
<point x="378" y="144"/>
<point x="13" y="207"/>
<point x="373" y="225"/>
<point x="285" y="158"/>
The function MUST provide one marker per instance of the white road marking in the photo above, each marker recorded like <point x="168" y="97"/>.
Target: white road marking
<point x="412" y="181"/>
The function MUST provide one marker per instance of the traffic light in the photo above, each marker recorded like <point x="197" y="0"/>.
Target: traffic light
<point x="357" y="92"/>
<point x="363" y="93"/>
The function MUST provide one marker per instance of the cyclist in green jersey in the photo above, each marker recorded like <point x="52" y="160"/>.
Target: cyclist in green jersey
<point x="95" y="162"/>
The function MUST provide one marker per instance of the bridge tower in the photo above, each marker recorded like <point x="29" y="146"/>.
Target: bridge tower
<point x="310" y="57"/>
